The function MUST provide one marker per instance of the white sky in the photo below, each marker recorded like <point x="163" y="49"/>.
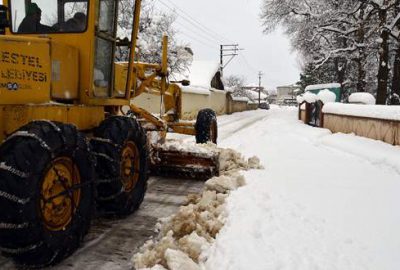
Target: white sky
<point x="239" y="22"/>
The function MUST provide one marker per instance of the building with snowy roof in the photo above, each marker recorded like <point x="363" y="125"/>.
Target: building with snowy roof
<point x="203" y="76"/>
<point x="287" y="94"/>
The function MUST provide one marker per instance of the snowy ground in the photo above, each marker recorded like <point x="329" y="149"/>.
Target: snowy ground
<point x="323" y="202"/>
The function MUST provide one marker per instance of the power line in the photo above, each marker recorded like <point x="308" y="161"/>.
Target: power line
<point x="198" y="40"/>
<point x="199" y="23"/>
<point x="186" y="17"/>
<point x="198" y="33"/>
<point x="247" y="62"/>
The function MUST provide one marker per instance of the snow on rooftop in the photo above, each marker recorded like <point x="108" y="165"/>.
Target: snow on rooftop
<point x="322" y="86"/>
<point x="363" y="98"/>
<point x="369" y="111"/>
<point x="202" y="72"/>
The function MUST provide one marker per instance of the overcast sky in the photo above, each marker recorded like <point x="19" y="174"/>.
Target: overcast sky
<point x="236" y="21"/>
<point x="227" y="21"/>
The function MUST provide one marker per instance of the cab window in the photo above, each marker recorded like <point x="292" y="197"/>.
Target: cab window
<point x="48" y="16"/>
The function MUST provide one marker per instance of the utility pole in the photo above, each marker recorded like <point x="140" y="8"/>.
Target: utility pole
<point x="260" y="75"/>
<point x="231" y="50"/>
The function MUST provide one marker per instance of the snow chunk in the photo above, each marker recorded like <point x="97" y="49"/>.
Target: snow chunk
<point x="371" y="111"/>
<point x="194" y="245"/>
<point x="184" y="237"/>
<point x="310" y="97"/>
<point x="155" y="267"/>
<point x="363" y="98"/>
<point x="224" y="183"/>
<point x="153" y="252"/>
<point x="326" y="96"/>
<point x="177" y="260"/>
<point x="230" y="160"/>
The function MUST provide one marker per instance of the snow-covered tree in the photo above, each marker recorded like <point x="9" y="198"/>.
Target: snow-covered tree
<point x="354" y="40"/>
<point x="153" y="26"/>
<point x="236" y="83"/>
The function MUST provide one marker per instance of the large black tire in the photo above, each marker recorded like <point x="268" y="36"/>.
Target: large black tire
<point x="206" y="126"/>
<point x="28" y="159"/>
<point x="120" y="192"/>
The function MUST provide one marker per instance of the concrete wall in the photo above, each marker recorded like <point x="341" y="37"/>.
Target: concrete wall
<point x="377" y="129"/>
<point x="192" y="103"/>
<point x="252" y="106"/>
<point x="387" y="131"/>
<point x="220" y="101"/>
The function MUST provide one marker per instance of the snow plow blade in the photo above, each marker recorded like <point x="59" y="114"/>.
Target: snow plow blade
<point x="184" y="164"/>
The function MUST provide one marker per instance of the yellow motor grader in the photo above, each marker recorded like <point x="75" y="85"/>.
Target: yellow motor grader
<point x="71" y="138"/>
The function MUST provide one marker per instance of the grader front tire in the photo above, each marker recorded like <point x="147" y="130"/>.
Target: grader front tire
<point x="46" y="193"/>
<point x="120" y="145"/>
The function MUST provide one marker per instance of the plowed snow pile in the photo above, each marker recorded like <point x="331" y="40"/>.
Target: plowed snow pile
<point x="184" y="236"/>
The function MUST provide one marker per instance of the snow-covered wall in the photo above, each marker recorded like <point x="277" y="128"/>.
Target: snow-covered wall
<point x="376" y="122"/>
<point x="192" y="101"/>
<point x="377" y="129"/>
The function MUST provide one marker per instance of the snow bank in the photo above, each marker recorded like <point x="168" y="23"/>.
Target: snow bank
<point x="369" y="111"/>
<point x="363" y="98"/>
<point x="310" y="97"/>
<point x="183" y="237"/>
<point x="322" y="86"/>
<point x="326" y="96"/>
<point x="326" y="201"/>
<point x="383" y="153"/>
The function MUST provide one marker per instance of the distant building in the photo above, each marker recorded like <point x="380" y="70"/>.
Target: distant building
<point x="252" y="92"/>
<point x="287" y="94"/>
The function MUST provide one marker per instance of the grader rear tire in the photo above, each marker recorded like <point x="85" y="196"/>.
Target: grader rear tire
<point x="206" y="126"/>
<point x="120" y="145"/>
<point x="46" y="193"/>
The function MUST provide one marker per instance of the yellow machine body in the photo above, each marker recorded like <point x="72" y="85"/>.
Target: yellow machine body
<point x="58" y="69"/>
<point x="56" y="76"/>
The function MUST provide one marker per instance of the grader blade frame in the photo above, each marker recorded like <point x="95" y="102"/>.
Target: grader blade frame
<point x="168" y="162"/>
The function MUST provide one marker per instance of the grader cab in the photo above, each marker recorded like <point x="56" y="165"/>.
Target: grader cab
<point x="70" y="136"/>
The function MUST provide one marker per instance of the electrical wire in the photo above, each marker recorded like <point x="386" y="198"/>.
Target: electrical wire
<point x="199" y="23"/>
<point x="198" y="26"/>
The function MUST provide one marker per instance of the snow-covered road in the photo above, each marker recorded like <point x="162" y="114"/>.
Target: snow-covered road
<point x="323" y="202"/>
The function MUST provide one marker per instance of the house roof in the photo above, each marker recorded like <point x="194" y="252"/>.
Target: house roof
<point x="200" y="73"/>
